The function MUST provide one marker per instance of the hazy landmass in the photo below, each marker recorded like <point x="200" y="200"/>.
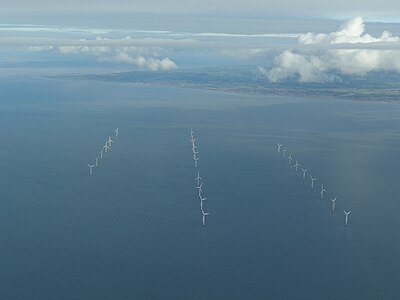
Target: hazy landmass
<point x="373" y="87"/>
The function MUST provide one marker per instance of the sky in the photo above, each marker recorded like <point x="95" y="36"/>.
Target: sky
<point x="305" y="41"/>
<point x="233" y="8"/>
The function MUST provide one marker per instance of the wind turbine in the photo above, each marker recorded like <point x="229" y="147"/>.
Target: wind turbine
<point x="279" y="146"/>
<point x="297" y="165"/>
<point x="202" y="199"/>
<point x="195" y="160"/>
<point x="312" y="181"/>
<point x="333" y="204"/>
<point x="109" y="141"/>
<point x="97" y="161"/>
<point x="322" y="191"/>
<point x="304" y="173"/>
<point x="198" y="178"/>
<point x="91" y="169"/>
<point x="101" y="154"/>
<point x="106" y="147"/>
<point x="116" y="132"/>
<point x="347" y="217"/>
<point x="200" y="187"/>
<point x="284" y="153"/>
<point x="204" y="217"/>
<point x="290" y="158"/>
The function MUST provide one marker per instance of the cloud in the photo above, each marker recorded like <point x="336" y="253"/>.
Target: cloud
<point x="142" y="57"/>
<point x="351" y="32"/>
<point x="40" y="48"/>
<point x="307" y="68"/>
<point x="324" y="57"/>
<point x="83" y="49"/>
<point x="150" y="63"/>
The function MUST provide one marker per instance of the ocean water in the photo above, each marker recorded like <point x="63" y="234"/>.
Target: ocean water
<point x="133" y="229"/>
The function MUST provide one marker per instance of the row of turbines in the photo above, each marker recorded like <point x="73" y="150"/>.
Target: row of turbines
<point x="103" y="149"/>
<point x="199" y="180"/>
<point x="296" y="166"/>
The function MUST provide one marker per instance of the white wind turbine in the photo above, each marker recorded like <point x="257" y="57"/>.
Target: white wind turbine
<point x="203" y="220"/>
<point x="110" y="141"/>
<point x="284" y="153"/>
<point x="201" y="205"/>
<point x="91" y="169"/>
<point x="322" y="191"/>
<point x="333" y="204"/>
<point x="347" y="217"/>
<point x="200" y="188"/>
<point x="202" y="199"/>
<point x="195" y="160"/>
<point x="297" y="164"/>
<point x="198" y="178"/>
<point x="304" y="172"/>
<point x="279" y="146"/>
<point x="290" y="158"/>
<point x="312" y="181"/>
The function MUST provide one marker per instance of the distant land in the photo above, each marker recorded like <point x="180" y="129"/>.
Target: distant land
<point x="373" y="87"/>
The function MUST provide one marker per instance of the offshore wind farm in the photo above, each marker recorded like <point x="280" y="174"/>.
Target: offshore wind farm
<point x="177" y="212"/>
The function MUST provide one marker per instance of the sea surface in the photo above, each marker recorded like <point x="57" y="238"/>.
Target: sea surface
<point x="133" y="229"/>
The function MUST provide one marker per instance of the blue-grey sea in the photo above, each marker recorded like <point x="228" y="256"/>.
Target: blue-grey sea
<point x="133" y="229"/>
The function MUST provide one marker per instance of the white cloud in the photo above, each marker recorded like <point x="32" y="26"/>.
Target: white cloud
<point x="83" y="49"/>
<point x="40" y="48"/>
<point x="351" y="32"/>
<point x="142" y="57"/>
<point x="307" y="68"/>
<point x="150" y="63"/>
<point x="318" y="62"/>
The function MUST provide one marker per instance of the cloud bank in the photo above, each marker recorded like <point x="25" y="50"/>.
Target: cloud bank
<point x="323" y="59"/>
